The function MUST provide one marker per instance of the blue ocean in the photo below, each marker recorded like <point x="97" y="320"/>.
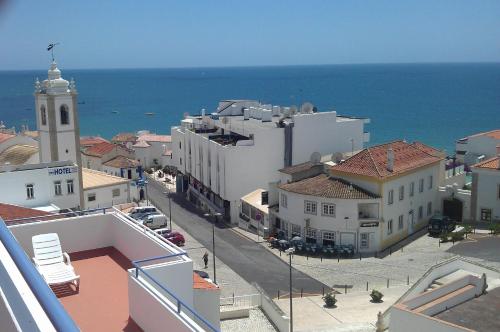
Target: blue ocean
<point x="432" y="103"/>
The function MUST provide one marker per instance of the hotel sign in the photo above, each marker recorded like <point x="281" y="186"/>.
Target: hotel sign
<point x="62" y="170"/>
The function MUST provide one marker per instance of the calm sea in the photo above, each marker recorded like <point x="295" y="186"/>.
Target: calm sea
<point x="433" y="103"/>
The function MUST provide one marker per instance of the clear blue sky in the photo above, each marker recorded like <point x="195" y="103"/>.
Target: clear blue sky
<point x="183" y="33"/>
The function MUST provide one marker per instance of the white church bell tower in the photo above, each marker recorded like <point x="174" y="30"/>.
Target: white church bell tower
<point x="57" y="120"/>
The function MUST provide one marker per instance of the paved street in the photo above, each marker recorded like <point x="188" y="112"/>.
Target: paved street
<point x="250" y="260"/>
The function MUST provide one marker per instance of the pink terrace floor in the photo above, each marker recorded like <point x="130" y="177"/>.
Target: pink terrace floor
<point x="102" y="302"/>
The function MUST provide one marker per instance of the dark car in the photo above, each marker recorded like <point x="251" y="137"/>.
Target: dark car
<point x="175" y="237"/>
<point x="440" y="224"/>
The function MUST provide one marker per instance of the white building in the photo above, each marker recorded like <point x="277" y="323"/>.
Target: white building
<point x="104" y="190"/>
<point x="239" y="149"/>
<point x="485" y="204"/>
<point x="151" y="149"/>
<point x="457" y="295"/>
<point x="131" y="279"/>
<point x="18" y="149"/>
<point x="475" y="148"/>
<point x="41" y="185"/>
<point x="406" y="177"/>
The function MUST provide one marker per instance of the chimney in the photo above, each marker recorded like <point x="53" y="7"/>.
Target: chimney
<point x="390" y="159"/>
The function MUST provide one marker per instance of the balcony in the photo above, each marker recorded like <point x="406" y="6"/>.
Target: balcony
<point x="368" y="211"/>
<point x="121" y="287"/>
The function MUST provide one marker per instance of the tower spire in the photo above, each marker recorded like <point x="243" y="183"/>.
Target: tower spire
<point x="51" y="49"/>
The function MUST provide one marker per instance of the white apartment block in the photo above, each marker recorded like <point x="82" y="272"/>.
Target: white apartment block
<point x="370" y="201"/>
<point x="485" y="202"/>
<point x="475" y="148"/>
<point x="238" y="149"/>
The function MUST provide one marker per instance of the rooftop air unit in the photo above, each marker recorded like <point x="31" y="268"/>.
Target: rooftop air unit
<point x="276" y="110"/>
<point x="267" y="115"/>
<point x="258" y="114"/>
<point x="246" y="114"/>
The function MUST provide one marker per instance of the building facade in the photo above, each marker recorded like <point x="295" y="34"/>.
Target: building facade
<point x="475" y="148"/>
<point x="223" y="156"/>
<point x="485" y="205"/>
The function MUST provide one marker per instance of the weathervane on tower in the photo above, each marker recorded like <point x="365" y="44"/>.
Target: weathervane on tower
<point x="51" y="49"/>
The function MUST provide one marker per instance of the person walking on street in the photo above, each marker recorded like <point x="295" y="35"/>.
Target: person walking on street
<point x="205" y="259"/>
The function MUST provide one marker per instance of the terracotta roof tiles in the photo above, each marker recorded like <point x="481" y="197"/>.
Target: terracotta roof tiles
<point x="155" y="138"/>
<point x="124" y="137"/>
<point x="4" y="137"/>
<point x="100" y="149"/>
<point x="492" y="163"/>
<point x="324" y="186"/>
<point x="122" y="162"/>
<point x="372" y="162"/>
<point x="87" y="141"/>
<point x="10" y="212"/>
<point x="297" y="168"/>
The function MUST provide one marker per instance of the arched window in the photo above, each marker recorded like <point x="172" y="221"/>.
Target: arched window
<point x="64" y="115"/>
<point x="43" y="115"/>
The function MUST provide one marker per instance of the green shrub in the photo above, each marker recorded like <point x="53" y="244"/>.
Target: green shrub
<point x="457" y="236"/>
<point x="443" y="237"/>
<point x="329" y="299"/>
<point x="376" y="296"/>
<point x="495" y="228"/>
<point x="468" y="229"/>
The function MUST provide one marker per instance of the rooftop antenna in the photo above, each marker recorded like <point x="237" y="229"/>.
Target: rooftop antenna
<point x="51" y="49"/>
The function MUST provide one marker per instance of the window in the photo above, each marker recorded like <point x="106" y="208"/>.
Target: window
<point x="412" y="188"/>
<point x="401" y="193"/>
<point x="116" y="192"/>
<point x="310" y="207"/>
<point x="311" y="233"/>
<point x="63" y="110"/>
<point x="430" y="181"/>
<point x="328" y="210"/>
<point x="91" y="197"/>
<point x="284" y="227"/>
<point x="296" y="230"/>
<point x="245" y="209"/>
<point x="284" y="200"/>
<point x="390" y="198"/>
<point x="328" y="238"/>
<point x="43" y="115"/>
<point x="389" y="227"/>
<point x="485" y="214"/>
<point x="69" y="186"/>
<point x="57" y="188"/>
<point x="429" y="208"/>
<point x="400" y="222"/>
<point x="421" y="186"/>
<point x="180" y="161"/>
<point x="420" y="212"/>
<point x="180" y="146"/>
<point x="365" y="240"/>
<point x="30" y="191"/>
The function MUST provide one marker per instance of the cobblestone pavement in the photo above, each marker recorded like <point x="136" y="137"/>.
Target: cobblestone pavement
<point x="410" y="263"/>
<point x="257" y="321"/>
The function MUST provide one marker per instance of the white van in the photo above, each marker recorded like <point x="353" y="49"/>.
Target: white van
<point x="139" y="211"/>
<point x="155" y="221"/>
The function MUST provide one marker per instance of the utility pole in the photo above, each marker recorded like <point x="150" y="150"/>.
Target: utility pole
<point x="214" y="217"/>
<point x="290" y="252"/>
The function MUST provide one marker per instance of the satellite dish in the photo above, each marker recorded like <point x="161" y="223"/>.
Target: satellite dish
<point x="315" y="157"/>
<point x="337" y="157"/>
<point x="186" y="115"/>
<point x="224" y="120"/>
<point x="307" y="108"/>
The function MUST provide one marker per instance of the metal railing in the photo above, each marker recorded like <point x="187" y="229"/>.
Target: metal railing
<point x="173" y="298"/>
<point x="56" y="313"/>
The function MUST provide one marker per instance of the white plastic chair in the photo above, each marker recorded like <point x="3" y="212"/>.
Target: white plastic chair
<point x="54" y="265"/>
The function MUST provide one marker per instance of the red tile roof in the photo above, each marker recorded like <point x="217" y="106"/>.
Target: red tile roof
<point x="124" y="137"/>
<point x="122" y="162"/>
<point x="155" y="138"/>
<point x="87" y="141"/>
<point x="324" y="186"/>
<point x="492" y="163"/>
<point x="100" y="149"/>
<point x="492" y="133"/>
<point x="297" y="168"/>
<point x="10" y="212"/>
<point x="200" y="283"/>
<point x="4" y="137"/>
<point x="372" y="161"/>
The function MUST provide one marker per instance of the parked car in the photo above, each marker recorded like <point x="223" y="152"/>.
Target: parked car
<point x="175" y="237"/>
<point x="141" y="210"/>
<point x="162" y="231"/>
<point x="440" y="224"/>
<point x="155" y="221"/>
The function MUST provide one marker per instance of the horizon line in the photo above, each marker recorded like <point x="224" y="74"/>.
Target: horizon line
<point x="270" y="65"/>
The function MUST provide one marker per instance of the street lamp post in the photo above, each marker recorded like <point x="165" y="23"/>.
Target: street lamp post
<point x="167" y="193"/>
<point x="214" y="217"/>
<point x="290" y="252"/>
